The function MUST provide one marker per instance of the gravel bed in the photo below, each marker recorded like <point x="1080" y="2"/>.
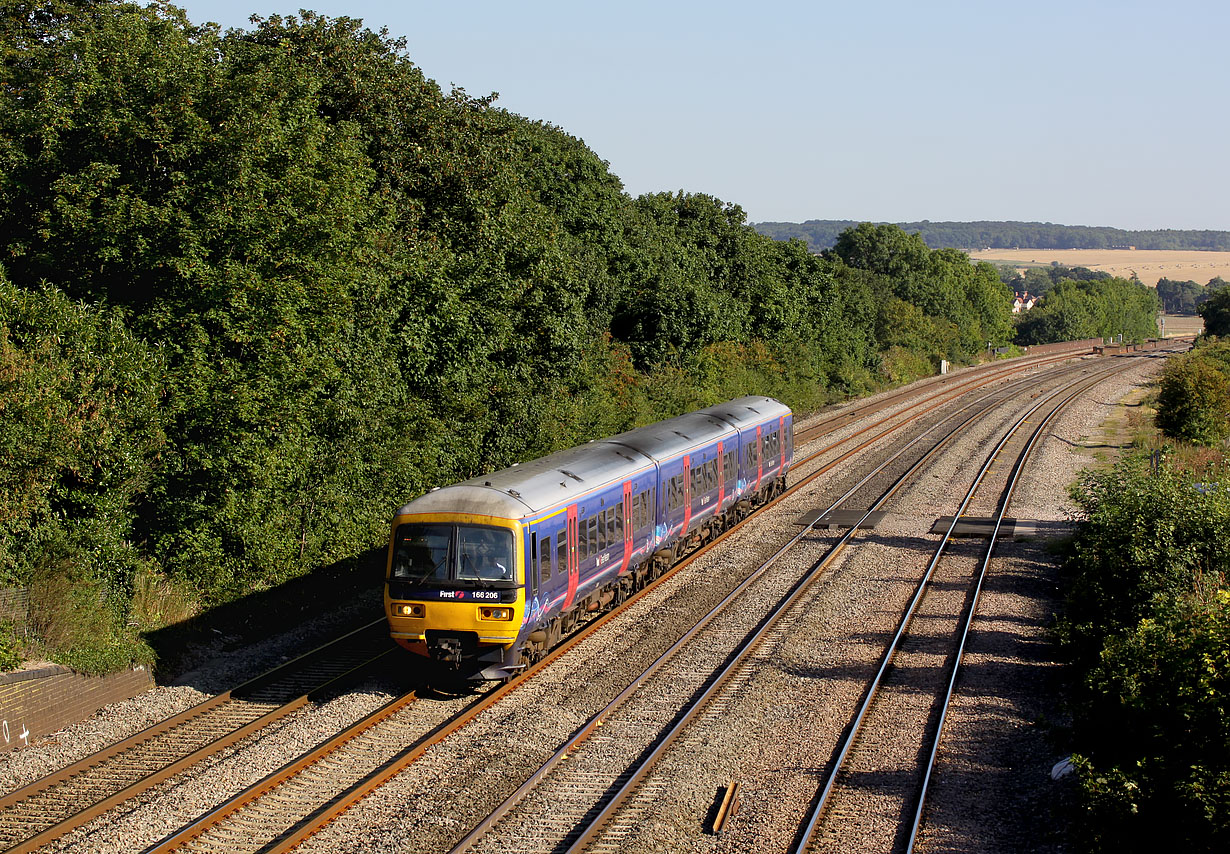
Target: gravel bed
<point x="993" y="792"/>
<point x="775" y="722"/>
<point x="452" y="789"/>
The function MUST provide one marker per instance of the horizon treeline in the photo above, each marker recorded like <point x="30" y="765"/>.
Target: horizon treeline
<point x="259" y="288"/>
<point x="821" y="234"/>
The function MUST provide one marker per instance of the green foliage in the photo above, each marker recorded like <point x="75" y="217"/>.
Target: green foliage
<point x="79" y="434"/>
<point x="1104" y="308"/>
<point x="957" y="308"/>
<point x="1216" y="312"/>
<point x="1148" y="629"/>
<point x="1181" y="297"/>
<point x="12" y="649"/>
<point x="268" y="284"/>
<point x="1194" y="396"/>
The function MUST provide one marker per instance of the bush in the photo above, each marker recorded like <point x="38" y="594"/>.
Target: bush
<point x="1147" y="627"/>
<point x="1194" y="398"/>
<point x="12" y="650"/>
<point x="1155" y="770"/>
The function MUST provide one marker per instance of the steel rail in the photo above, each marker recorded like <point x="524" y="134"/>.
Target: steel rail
<point x="719" y="679"/>
<point x="329" y="811"/>
<point x="397" y="764"/>
<point x="946" y="703"/>
<point x="97" y="762"/>
<point x="616" y="801"/>
<point x="856" y="724"/>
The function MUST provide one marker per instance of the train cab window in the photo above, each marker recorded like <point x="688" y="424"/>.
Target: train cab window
<point x="561" y="552"/>
<point x="422" y="551"/>
<point x="544" y="559"/>
<point x="484" y="553"/>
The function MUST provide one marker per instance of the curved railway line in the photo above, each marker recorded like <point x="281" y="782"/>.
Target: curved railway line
<point x="312" y="790"/>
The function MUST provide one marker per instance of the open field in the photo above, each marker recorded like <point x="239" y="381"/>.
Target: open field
<point x="1179" y="325"/>
<point x="1148" y="264"/>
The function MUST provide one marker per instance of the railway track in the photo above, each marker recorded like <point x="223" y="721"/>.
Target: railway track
<point x="900" y="721"/>
<point x="385" y="746"/>
<point x="288" y="806"/>
<point x="45" y="810"/>
<point x="596" y="788"/>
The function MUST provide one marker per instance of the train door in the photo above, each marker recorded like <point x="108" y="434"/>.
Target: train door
<point x="781" y="443"/>
<point x="627" y="527"/>
<point x="572" y="556"/>
<point x="532" y="566"/>
<point x="760" y="458"/>
<point x="687" y="494"/>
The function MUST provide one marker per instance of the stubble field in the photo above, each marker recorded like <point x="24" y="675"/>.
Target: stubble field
<point x="1148" y="264"/>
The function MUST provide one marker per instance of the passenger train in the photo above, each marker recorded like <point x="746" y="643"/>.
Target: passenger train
<point x="485" y="576"/>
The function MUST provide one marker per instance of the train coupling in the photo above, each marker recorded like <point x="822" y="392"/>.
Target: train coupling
<point x="446" y="650"/>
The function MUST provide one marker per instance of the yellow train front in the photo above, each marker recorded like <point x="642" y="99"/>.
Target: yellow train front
<point x="455" y="589"/>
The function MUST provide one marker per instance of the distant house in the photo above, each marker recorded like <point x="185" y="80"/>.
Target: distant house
<point x="1023" y="302"/>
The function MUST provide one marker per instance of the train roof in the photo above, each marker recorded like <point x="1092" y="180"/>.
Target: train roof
<point x="667" y="439"/>
<point x="747" y="410"/>
<point x="559" y="478"/>
<point x="537" y="485"/>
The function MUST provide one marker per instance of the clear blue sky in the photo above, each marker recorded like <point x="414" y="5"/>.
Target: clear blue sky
<point x="1075" y="112"/>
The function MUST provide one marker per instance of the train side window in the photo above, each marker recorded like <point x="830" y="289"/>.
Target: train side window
<point x="601" y="519"/>
<point x="593" y="536"/>
<point x="610" y="527"/>
<point x="712" y="469"/>
<point x="636" y="512"/>
<point x="544" y="559"/>
<point x="561" y="553"/>
<point x="619" y="522"/>
<point x="582" y="540"/>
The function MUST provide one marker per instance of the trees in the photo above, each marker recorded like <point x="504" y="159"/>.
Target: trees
<point x="970" y="300"/>
<point x="1194" y="397"/>
<point x="1146" y="626"/>
<point x="1098" y="307"/>
<point x="1216" y="313"/>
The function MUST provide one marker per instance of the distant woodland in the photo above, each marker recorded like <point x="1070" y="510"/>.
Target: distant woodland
<point x="821" y="234"/>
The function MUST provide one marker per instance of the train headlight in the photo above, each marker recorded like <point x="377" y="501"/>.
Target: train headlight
<point x="404" y="609"/>
<point x="495" y="613"/>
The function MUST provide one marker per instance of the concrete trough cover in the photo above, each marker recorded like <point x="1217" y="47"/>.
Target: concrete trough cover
<point x="839" y="519"/>
<point x="984" y="526"/>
